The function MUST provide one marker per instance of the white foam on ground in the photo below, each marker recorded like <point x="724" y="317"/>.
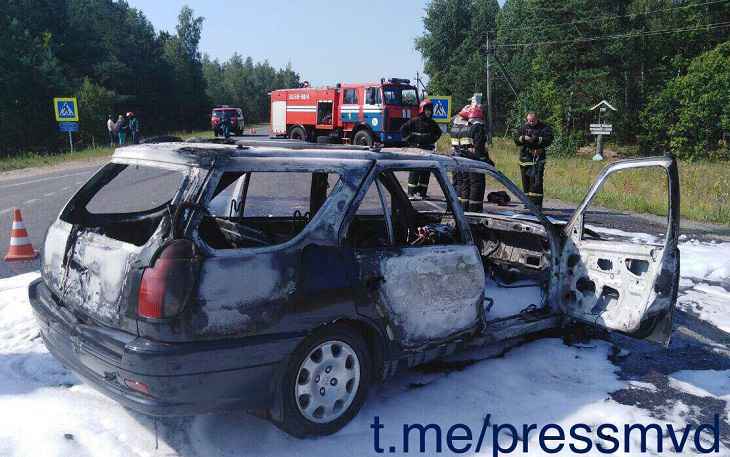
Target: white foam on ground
<point x="543" y="381"/>
<point x="509" y="301"/>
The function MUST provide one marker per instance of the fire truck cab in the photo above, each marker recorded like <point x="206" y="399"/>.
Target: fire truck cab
<point x="360" y="114"/>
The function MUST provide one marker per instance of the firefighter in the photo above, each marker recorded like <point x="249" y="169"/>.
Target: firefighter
<point x="421" y="132"/>
<point x="469" y="139"/>
<point x="533" y="137"/>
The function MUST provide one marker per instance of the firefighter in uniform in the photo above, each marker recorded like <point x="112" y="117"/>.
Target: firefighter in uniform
<point x="469" y="139"/>
<point x="533" y="137"/>
<point x="421" y="132"/>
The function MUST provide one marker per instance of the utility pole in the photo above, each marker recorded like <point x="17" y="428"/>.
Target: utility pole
<point x="420" y="85"/>
<point x="490" y="121"/>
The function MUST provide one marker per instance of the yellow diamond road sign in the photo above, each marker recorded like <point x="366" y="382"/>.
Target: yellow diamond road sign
<point x="66" y="108"/>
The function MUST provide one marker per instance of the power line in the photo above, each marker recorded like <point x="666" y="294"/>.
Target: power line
<point x="611" y="17"/>
<point x="621" y="36"/>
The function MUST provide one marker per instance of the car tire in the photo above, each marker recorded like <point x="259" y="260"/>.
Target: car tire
<point x="326" y="382"/>
<point x="298" y="133"/>
<point x="363" y="138"/>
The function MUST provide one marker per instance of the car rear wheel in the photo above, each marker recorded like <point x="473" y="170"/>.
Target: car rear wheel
<point x="298" y="133"/>
<point x="363" y="138"/>
<point x="326" y="383"/>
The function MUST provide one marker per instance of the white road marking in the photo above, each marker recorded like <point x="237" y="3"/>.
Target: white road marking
<point x="32" y="200"/>
<point x="50" y="178"/>
<point x="49" y="194"/>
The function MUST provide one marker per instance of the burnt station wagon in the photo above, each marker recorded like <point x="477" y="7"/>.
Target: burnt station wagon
<point x="288" y="280"/>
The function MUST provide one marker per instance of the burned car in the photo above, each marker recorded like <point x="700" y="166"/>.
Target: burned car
<point x="288" y="280"/>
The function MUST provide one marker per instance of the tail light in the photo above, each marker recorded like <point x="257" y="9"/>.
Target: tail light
<point x="137" y="386"/>
<point x="167" y="285"/>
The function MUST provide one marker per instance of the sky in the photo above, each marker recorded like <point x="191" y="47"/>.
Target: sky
<point x="325" y="41"/>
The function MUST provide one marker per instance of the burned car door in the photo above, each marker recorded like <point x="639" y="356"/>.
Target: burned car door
<point x="417" y="263"/>
<point x="621" y="283"/>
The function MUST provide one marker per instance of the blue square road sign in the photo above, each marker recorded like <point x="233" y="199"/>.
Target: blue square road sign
<point x="66" y="109"/>
<point x="441" y="108"/>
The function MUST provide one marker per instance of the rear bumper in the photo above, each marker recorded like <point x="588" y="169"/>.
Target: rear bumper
<point x="183" y="378"/>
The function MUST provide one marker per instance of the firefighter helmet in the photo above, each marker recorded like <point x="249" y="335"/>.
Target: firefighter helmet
<point x="425" y="104"/>
<point x="476" y="113"/>
<point x="472" y="112"/>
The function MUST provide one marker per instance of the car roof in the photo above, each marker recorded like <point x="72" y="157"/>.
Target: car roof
<point x="204" y="154"/>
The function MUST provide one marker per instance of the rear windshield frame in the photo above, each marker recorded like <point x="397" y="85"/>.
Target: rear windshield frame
<point x="76" y="210"/>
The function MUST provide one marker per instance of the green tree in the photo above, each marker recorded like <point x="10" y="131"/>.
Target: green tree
<point x="691" y="116"/>
<point x="182" y="54"/>
<point x="95" y="104"/>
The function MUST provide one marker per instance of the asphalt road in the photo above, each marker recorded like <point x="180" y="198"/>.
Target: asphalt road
<point x="40" y="196"/>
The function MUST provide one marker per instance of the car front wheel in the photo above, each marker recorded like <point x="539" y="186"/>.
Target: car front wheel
<point x="326" y="383"/>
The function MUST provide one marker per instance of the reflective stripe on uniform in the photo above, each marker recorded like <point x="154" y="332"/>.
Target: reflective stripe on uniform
<point x="529" y="164"/>
<point x="533" y="194"/>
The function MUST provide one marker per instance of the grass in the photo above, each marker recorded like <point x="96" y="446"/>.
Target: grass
<point x="704" y="185"/>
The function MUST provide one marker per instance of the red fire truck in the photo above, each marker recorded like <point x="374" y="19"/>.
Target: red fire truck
<point x="352" y="113"/>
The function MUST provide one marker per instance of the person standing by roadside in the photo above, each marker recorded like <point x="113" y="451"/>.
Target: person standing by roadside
<point x="469" y="139"/>
<point x="133" y="127"/>
<point x="110" y="127"/>
<point x="533" y="138"/>
<point x="122" y="127"/>
<point x="421" y="132"/>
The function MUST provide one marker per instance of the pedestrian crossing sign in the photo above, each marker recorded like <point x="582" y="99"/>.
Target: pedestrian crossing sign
<point x="66" y="108"/>
<point x="441" y="108"/>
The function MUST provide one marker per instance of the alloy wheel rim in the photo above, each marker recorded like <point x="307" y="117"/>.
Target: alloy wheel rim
<point x="327" y="381"/>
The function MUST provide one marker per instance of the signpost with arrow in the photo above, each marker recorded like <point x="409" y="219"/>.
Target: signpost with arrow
<point x="601" y="128"/>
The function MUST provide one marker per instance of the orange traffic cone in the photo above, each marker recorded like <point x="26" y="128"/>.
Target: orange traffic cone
<point x="20" y="246"/>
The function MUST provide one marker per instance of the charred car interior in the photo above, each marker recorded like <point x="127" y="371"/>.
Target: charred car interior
<point x="288" y="280"/>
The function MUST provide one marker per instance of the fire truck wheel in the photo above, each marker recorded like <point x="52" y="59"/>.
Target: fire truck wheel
<point x="298" y="133"/>
<point x="363" y="138"/>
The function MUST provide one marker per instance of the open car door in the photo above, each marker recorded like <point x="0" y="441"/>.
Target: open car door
<point x="629" y="286"/>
